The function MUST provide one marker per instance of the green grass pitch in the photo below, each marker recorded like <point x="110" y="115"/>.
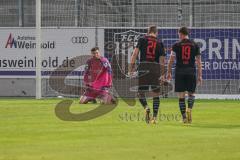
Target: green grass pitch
<point x="29" y="130"/>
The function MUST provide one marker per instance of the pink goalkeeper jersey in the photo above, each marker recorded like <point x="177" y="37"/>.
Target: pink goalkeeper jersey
<point x="98" y="73"/>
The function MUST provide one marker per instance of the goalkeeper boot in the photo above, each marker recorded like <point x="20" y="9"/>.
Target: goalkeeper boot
<point x="189" y="115"/>
<point x="147" y="115"/>
<point x="94" y="101"/>
<point x="114" y="100"/>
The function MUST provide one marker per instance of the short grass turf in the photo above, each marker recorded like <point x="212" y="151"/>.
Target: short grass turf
<point x="30" y="130"/>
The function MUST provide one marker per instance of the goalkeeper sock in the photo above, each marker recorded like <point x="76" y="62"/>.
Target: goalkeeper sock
<point x="191" y="100"/>
<point x="182" y="107"/>
<point x="156" y="102"/>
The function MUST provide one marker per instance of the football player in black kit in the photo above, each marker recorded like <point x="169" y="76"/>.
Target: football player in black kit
<point x="152" y="56"/>
<point x="187" y="53"/>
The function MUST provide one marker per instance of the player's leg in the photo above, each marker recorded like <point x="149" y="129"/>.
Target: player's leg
<point x="93" y="101"/>
<point x="143" y="84"/>
<point x="191" y="97"/>
<point x="106" y="96"/>
<point x="143" y="101"/>
<point x="191" y="100"/>
<point x="108" y="99"/>
<point x="156" y="104"/>
<point x="83" y="99"/>
<point x="150" y="79"/>
<point x="191" y="87"/>
<point x="156" y="101"/>
<point x="88" y="96"/>
<point x="180" y="89"/>
<point x="182" y="106"/>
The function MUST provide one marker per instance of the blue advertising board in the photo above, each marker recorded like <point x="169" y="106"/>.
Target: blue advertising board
<point x="220" y="48"/>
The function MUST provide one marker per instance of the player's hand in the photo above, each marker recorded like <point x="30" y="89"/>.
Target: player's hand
<point x="130" y="74"/>
<point x="131" y="70"/>
<point x="86" y="85"/>
<point x="169" y="76"/>
<point x="199" y="81"/>
<point x="162" y="79"/>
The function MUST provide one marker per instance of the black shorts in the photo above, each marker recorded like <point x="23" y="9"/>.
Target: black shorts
<point x="185" y="82"/>
<point x="149" y="74"/>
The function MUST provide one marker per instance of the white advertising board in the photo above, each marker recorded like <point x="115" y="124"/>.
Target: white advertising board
<point x="18" y="49"/>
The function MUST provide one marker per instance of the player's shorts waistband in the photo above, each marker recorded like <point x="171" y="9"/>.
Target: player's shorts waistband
<point x="188" y="71"/>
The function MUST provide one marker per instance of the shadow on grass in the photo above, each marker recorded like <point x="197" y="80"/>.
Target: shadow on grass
<point x="62" y="111"/>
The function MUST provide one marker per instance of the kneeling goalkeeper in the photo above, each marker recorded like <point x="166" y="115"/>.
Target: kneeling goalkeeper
<point x="97" y="79"/>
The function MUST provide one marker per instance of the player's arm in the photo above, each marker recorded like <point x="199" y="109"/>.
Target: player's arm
<point x="162" y="65"/>
<point x="106" y="64"/>
<point x="108" y="71"/>
<point x="162" y="68"/>
<point x="199" y="67"/>
<point x="134" y="56"/>
<point x="162" y="61"/>
<point x="170" y="63"/>
<point x="86" y="73"/>
<point x="133" y="60"/>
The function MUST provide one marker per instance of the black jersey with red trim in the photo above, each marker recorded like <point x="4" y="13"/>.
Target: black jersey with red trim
<point x="150" y="49"/>
<point x="185" y="51"/>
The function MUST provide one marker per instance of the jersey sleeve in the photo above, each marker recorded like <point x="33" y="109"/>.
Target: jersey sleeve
<point x="139" y="43"/>
<point x="106" y="64"/>
<point x="174" y="49"/>
<point x="162" y="50"/>
<point x="86" y="72"/>
<point x="197" y="49"/>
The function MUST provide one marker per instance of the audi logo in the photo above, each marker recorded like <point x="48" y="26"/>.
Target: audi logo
<point x="79" y="40"/>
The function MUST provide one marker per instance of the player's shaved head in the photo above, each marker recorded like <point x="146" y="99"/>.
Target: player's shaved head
<point x="152" y="29"/>
<point x="183" y="30"/>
